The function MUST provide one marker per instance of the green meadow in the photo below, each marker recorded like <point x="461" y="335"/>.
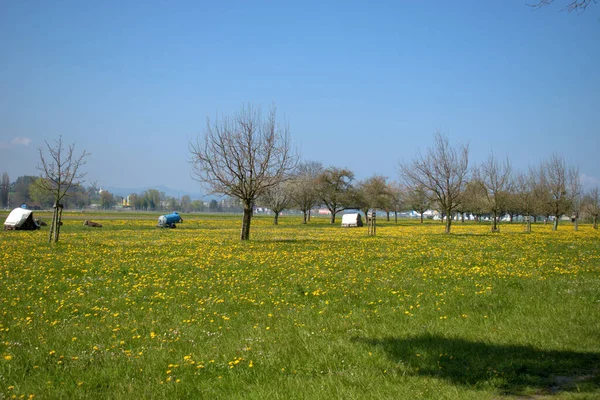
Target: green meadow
<point x="299" y="312"/>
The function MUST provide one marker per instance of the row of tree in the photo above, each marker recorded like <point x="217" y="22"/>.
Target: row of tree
<point x="28" y="189"/>
<point x="552" y="189"/>
<point x="250" y="158"/>
<point x="153" y="200"/>
<point x="491" y="189"/>
<point x="33" y="191"/>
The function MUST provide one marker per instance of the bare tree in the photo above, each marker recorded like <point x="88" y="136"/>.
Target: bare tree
<point x="355" y="198"/>
<point x="555" y="179"/>
<point x="388" y="200"/>
<point x="243" y="156"/>
<point x="443" y="170"/>
<point x="512" y="202"/>
<point x="375" y="191"/>
<point x="525" y="196"/>
<point x="304" y="188"/>
<point x="334" y="188"/>
<point x="591" y="205"/>
<point x="573" y="5"/>
<point x="576" y="195"/>
<point x="277" y="198"/>
<point x="496" y="181"/>
<point x="370" y="194"/>
<point x="473" y="199"/>
<point x="60" y="171"/>
<point x="397" y="197"/>
<point x="418" y="198"/>
<point x="543" y="202"/>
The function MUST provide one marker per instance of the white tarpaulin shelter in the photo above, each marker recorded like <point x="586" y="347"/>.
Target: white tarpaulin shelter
<point x="20" y="218"/>
<point x="352" y="219"/>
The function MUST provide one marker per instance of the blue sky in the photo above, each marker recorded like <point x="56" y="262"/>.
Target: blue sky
<point x="362" y="84"/>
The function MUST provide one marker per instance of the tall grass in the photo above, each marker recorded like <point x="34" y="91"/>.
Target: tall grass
<point x="300" y="311"/>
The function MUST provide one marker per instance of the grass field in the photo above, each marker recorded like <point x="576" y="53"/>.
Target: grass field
<point x="306" y="312"/>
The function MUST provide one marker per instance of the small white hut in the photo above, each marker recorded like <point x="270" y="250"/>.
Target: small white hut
<point x="351" y="220"/>
<point x="20" y="219"/>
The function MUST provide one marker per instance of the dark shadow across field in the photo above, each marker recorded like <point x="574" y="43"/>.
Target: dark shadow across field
<point x="512" y="369"/>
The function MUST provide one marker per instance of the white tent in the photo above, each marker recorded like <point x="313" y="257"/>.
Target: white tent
<point x="352" y="219"/>
<point x="20" y="218"/>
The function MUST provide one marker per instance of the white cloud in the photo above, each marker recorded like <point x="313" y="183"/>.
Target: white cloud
<point x="21" y="141"/>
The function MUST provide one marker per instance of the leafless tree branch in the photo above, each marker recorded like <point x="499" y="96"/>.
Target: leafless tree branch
<point x="578" y="6"/>
<point x="443" y="170"/>
<point x="60" y="170"/>
<point x="243" y="156"/>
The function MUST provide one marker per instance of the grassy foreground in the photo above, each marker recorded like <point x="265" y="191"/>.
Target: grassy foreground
<point x="307" y="312"/>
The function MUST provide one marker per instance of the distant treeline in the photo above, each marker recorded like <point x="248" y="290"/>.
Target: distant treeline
<point x="26" y="190"/>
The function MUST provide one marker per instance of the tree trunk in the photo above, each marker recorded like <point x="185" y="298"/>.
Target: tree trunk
<point x="555" y="224"/>
<point x="576" y="224"/>
<point x="55" y="225"/>
<point x="494" y="223"/>
<point x="332" y="218"/>
<point x="528" y="226"/>
<point x="247" y="218"/>
<point x="304" y="216"/>
<point x="448" y="222"/>
<point x="396" y="216"/>
<point x="595" y="222"/>
<point x="52" y="225"/>
<point x="421" y="217"/>
<point x="58" y="224"/>
<point x="276" y="219"/>
<point x="387" y="215"/>
<point x="462" y="217"/>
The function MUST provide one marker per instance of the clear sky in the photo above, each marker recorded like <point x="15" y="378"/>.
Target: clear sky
<point x="363" y="84"/>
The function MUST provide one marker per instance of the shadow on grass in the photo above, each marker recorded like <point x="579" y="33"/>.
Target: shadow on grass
<point x="514" y="370"/>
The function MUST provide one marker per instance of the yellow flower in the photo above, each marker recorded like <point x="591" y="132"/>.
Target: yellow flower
<point x="8" y="357"/>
